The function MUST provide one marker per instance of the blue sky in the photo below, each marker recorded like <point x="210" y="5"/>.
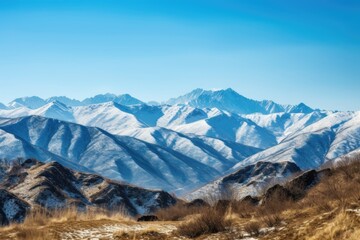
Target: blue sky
<point x="287" y="51"/>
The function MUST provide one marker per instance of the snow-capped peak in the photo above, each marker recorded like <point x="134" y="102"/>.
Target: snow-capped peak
<point x="124" y="99"/>
<point x="65" y="100"/>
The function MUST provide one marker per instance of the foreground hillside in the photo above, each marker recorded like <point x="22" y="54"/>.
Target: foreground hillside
<point x="322" y="204"/>
<point x="31" y="185"/>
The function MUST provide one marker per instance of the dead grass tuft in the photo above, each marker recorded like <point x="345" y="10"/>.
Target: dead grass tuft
<point x="32" y="233"/>
<point x="210" y="221"/>
<point x="178" y="212"/>
<point x="252" y="228"/>
<point x="344" y="226"/>
<point x="144" y="235"/>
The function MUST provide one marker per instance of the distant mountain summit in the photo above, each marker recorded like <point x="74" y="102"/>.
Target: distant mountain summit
<point x="124" y="99"/>
<point x="229" y="100"/>
<point x="2" y="106"/>
<point x="65" y="100"/>
<point x="29" y="102"/>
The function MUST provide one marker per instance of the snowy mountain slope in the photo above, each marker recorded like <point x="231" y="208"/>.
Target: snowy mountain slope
<point x="13" y="147"/>
<point x="110" y="116"/>
<point x="347" y="139"/>
<point x="284" y="124"/>
<point x="333" y="136"/>
<point x="231" y="127"/>
<point x="115" y="118"/>
<point x="229" y="100"/>
<point x="219" y="154"/>
<point x="119" y="157"/>
<point x="15" y="112"/>
<point x="54" y="109"/>
<point x="180" y="114"/>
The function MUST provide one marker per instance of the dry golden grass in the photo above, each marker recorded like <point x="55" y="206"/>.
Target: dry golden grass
<point x="41" y="224"/>
<point x="178" y="212"/>
<point x="210" y="221"/>
<point x="345" y="225"/>
<point x="42" y="217"/>
<point x="144" y="235"/>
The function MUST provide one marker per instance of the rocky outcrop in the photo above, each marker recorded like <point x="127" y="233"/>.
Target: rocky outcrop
<point x="278" y="193"/>
<point x="197" y="203"/>
<point x="250" y="200"/>
<point x="296" y="188"/>
<point x="12" y="209"/>
<point x="261" y="170"/>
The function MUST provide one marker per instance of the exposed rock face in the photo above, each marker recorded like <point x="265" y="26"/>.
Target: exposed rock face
<point x="266" y="169"/>
<point x="53" y="186"/>
<point x="250" y="200"/>
<point x="197" y="203"/>
<point x="12" y="209"/>
<point x="307" y="179"/>
<point x="148" y="218"/>
<point x="296" y="188"/>
<point x="278" y="193"/>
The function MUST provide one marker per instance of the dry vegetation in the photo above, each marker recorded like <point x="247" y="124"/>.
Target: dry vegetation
<point x="43" y="225"/>
<point x="329" y="210"/>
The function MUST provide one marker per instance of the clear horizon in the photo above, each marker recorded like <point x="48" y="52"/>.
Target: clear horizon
<point x="155" y="50"/>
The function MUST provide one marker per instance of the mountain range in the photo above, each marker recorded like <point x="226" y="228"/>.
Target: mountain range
<point x="35" y="102"/>
<point x="187" y="145"/>
<point x="227" y="99"/>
